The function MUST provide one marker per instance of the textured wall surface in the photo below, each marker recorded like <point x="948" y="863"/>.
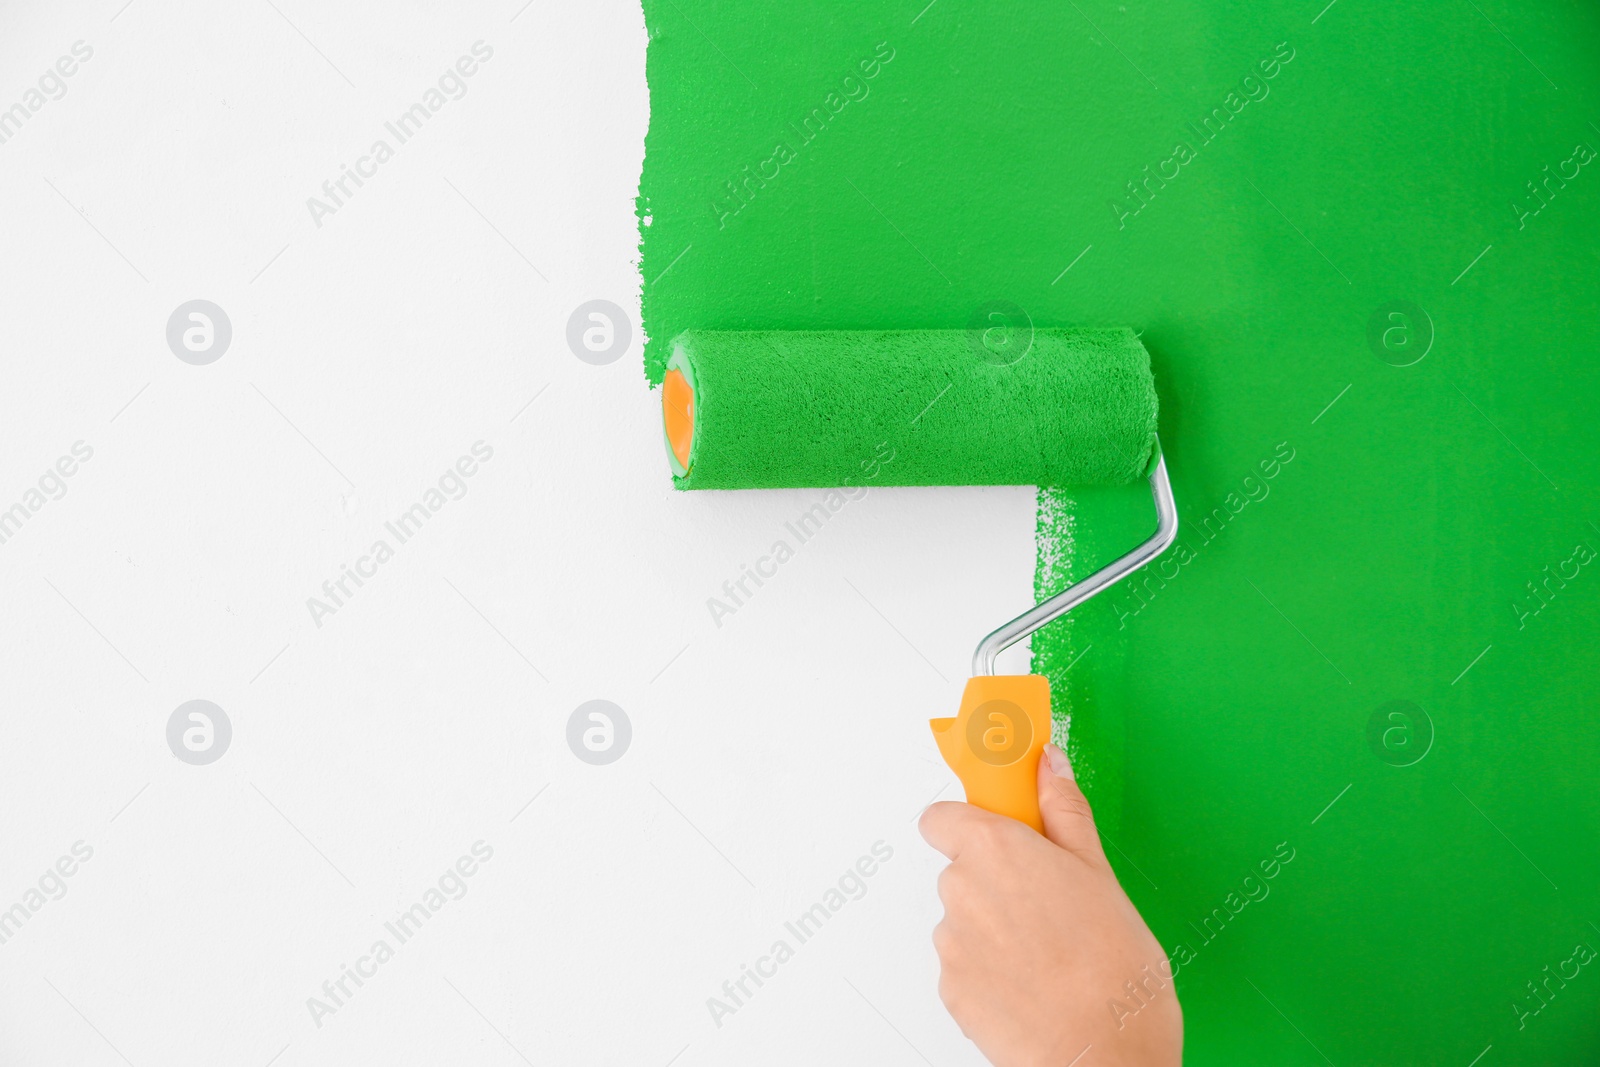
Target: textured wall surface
<point x="1359" y="242"/>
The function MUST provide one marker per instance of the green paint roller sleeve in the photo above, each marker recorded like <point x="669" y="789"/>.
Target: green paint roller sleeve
<point x="749" y="409"/>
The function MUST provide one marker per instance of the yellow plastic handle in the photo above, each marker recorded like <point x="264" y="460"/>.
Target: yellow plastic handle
<point x="994" y="742"/>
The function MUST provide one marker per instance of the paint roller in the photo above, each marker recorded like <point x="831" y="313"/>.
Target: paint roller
<point x="768" y="409"/>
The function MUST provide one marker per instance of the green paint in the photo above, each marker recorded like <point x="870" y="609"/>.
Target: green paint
<point x="1374" y="154"/>
<point x="1091" y="742"/>
<point x="776" y="409"/>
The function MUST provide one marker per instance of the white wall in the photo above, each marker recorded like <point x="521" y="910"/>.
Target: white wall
<point x="371" y="751"/>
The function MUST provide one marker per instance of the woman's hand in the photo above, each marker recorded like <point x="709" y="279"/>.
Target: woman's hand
<point x="1044" y="960"/>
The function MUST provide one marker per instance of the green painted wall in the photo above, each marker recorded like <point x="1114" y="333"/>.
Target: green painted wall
<point x="1387" y="555"/>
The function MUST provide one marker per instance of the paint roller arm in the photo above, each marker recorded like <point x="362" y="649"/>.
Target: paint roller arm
<point x="990" y="647"/>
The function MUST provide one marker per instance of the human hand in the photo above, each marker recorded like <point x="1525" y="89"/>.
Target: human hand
<point x="1038" y="938"/>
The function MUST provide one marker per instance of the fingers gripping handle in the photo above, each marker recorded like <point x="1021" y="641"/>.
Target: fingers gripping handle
<point x="994" y="742"/>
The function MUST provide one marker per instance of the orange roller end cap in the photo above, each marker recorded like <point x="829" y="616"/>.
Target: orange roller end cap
<point x="677" y="414"/>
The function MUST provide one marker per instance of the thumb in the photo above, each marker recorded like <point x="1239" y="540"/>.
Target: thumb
<point x="1068" y="821"/>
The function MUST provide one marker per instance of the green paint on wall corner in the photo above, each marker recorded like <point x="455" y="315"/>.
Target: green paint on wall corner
<point x="1361" y="235"/>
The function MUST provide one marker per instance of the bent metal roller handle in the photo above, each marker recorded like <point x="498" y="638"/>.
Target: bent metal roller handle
<point x="747" y="409"/>
<point x="994" y="741"/>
